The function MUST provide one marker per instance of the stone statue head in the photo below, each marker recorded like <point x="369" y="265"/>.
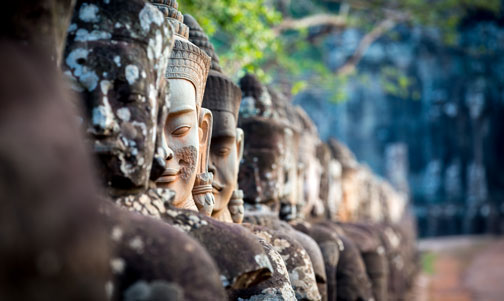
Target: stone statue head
<point x="222" y="97"/>
<point x="311" y="169"/>
<point x="188" y="127"/>
<point x="115" y="57"/>
<point x="350" y="176"/>
<point x="286" y="112"/>
<point x="261" y="174"/>
<point x="334" y="190"/>
<point x="324" y="158"/>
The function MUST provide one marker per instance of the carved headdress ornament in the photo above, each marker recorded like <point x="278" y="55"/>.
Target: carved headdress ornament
<point x="263" y="126"/>
<point x="187" y="61"/>
<point x="221" y="93"/>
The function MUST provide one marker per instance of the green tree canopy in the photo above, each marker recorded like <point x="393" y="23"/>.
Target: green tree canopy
<point x="282" y="39"/>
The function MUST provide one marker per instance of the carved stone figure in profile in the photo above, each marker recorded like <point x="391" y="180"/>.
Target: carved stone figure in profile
<point x="186" y="139"/>
<point x="356" y="206"/>
<point x="223" y="98"/>
<point x="116" y="56"/>
<point x="261" y="177"/>
<point x="188" y="127"/>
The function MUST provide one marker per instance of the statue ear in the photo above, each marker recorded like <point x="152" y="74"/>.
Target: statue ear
<point x="205" y="134"/>
<point x="202" y="190"/>
<point x="240" y="143"/>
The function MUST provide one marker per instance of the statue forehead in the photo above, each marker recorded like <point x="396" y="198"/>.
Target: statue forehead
<point x="182" y="94"/>
<point x="107" y="20"/>
<point x="224" y="124"/>
<point x="108" y="55"/>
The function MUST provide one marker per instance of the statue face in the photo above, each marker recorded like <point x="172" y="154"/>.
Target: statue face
<point x="261" y="177"/>
<point x="182" y="135"/>
<point x="311" y="174"/>
<point x="224" y="157"/>
<point x="335" y="193"/>
<point x="119" y="85"/>
<point x="288" y="199"/>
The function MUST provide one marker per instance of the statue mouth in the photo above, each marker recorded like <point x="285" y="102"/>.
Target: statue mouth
<point x="169" y="175"/>
<point x="216" y="187"/>
<point x="102" y="147"/>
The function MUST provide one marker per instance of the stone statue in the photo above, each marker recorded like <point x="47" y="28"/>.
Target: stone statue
<point x="242" y="260"/>
<point x="48" y="215"/>
<point x="261" y="176"/>
<point x="116" y="56"/>
<point x="188" y="128"/>
<point x="330" y="184"/>
<point x="223" y="98"/>
<point x="364" y="222"/>
<point x="347" y="276"/>
<point x="311" y="171"/>
<point x="236" y="206"/>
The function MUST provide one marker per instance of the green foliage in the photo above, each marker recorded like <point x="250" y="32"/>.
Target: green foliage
<point x="428" y="260"/>
<point x="397" y="83"/>
<point x="241" y="30"/>
<point x="243" y="33"/>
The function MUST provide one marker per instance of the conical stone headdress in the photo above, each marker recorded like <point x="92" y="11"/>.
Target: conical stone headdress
<point x="187" y="61"/>
<point x="221" y="93"/>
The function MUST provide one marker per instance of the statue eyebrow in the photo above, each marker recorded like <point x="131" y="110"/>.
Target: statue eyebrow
<point x="223" y="137"/>
<point x="181" y="110"/>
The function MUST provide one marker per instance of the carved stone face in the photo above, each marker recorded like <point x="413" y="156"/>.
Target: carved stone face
<point x="351" y="195"/>
<point x="121" y="102"/>
<point x="289" y="197"/>
<point x="261" y="175"/>
<point x="261" y="178"/>
<point x="225" y="153"/>
<point x="335" y="193"/>
<point x="117" y="69"/>
<point x="182" y="135"/>
<point x="312" y="171"/>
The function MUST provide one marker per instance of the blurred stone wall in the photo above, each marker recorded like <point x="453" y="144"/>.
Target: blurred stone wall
<point x="443" y="133"/>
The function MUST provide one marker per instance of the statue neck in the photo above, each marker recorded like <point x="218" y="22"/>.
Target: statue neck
<point x="188" y="204"/>
<point x="223" y="215"/>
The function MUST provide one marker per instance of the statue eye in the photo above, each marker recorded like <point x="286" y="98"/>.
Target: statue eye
<point x="181" y="130"/>
<point x="131" y="98"/>
<point x="223" y="151"/>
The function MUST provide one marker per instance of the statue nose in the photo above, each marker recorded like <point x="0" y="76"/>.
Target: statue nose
<point x="169" y="154"/>
<point x="167" y="151"/>
<point x="211" y="168"/>
<point x="103" y="120"/>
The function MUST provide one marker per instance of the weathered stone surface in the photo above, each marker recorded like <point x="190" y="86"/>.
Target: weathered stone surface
<point x="373" y="252"/>
<point x="283" y="238"/>
<point x="148" y="253"/>
<point x="53" y="243"/>
<point x="277" y="287"/>
<point x="240" y="257"/>
<point x="116" y="58"/>
<point x="296" y="259"/>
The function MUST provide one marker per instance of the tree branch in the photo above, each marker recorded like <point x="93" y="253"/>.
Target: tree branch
<point x="368" y="39"/>
<point x="311" y="21"/>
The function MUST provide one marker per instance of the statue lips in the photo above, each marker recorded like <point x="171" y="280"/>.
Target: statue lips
<point x="170" y="175"/>
<point x="216" y="187"/>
